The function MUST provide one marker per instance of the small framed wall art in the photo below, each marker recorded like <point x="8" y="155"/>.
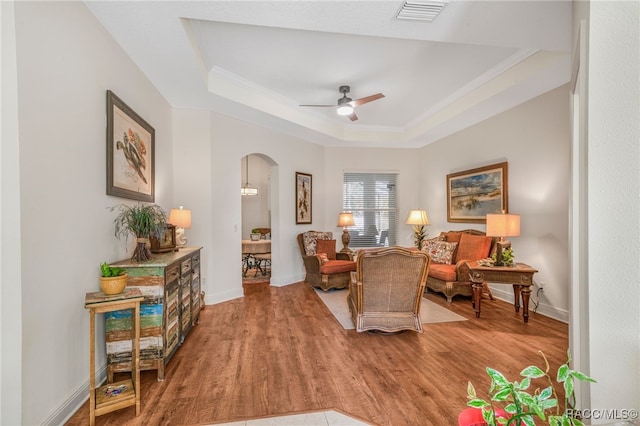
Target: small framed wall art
<point x="303" y="198"/>
<point x="474" y="193"/>
<point x="130" y="152"/>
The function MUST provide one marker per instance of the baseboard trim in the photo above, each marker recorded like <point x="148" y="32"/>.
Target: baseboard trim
<point x="72" y="404"/>
<point x="542" y="309"/>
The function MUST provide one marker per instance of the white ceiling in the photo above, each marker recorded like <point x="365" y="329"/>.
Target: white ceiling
<point x="259" y="60"/>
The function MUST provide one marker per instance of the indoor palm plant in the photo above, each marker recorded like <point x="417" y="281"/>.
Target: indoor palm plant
<point x="142" y="221"/>
<point x="523" y="407"/>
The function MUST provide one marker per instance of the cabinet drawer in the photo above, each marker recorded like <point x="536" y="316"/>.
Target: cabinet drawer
<point x="173" y="272"/>
<point x="186" y="266"/>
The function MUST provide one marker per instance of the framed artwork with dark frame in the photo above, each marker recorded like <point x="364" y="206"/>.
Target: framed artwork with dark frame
<point x="130" y="152"/>
<point x="303" y="198"/>
<point x="474" y="193"/>
<point x="166" y="242"/>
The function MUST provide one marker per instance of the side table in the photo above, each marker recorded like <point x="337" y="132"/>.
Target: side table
<point x="124" y="393"/>
<point x="519" y="275"/>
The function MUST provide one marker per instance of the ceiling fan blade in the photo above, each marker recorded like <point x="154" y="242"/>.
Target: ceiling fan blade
<point x="353" y="116"/>
<point x="367" y="99"/>
<point x="319" y="106"/>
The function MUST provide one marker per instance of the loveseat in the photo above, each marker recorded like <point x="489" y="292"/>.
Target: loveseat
<point x="449" y="251"/>
<point x="325" y="268"/>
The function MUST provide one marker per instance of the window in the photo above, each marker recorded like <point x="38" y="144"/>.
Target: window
<point x="371" y="197"/>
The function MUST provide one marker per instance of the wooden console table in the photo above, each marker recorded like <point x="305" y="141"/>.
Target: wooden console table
<point x="519" y="275"/>
<point x="125" y="393"/>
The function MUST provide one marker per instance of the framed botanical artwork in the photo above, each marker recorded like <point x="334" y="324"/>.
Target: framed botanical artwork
<point x="474" y="193"/>
<point x="166" y="242"/>
<point x="130" y="152"/>
<point x="303" y="198"/>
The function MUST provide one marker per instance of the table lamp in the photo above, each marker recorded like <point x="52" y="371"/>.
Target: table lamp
<point x="502" y="225"/>
<point x="418" y="218"/>
<point x="181" y="219"/>
<point x="345" y="220"/>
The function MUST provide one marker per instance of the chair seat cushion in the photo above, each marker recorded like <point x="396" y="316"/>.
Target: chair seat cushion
<point x="337" y="266"/>
<point x="443" y="272"/>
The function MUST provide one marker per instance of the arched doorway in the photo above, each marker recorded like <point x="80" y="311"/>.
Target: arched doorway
<point x="256" y="218"/>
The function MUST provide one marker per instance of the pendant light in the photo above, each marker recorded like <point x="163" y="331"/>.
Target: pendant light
<point x="247" y="189"/>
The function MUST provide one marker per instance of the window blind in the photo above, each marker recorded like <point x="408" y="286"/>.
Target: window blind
<point x="372" y="198"/>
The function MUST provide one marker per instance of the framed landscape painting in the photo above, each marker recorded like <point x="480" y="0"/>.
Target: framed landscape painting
<point x="474" y="193"/>
<point x="130" y="152"/>
<point x="303" y="198"/>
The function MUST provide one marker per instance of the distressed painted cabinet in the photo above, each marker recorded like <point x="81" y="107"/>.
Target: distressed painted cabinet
<point x="170" y="283"/>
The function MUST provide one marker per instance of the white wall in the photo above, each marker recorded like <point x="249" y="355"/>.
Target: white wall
<point x="230" y="140"/>
<point x="534" y="138"/>
<point x="66" y="61"/>
<point x="614" y="204"/>
<point x="10" y="245"/>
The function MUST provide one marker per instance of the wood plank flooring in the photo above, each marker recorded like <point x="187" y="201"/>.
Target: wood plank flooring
<point x="279" y="351"/>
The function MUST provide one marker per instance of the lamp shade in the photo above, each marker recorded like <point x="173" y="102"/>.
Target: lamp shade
<point x="417" y="217"/>
<point x="346" y="219"/>
<point x="180" y="218"/>
<point x="503" y="225"/>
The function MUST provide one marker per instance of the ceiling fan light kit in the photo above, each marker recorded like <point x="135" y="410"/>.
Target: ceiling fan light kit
<point x="346" y="106"/>
<point x="344" y="110"/>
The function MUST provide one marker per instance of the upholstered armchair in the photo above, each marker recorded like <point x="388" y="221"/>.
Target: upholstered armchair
<point x="386" y="290"/>
<point x="325" y="268"/>
<point x="449" y="253"/>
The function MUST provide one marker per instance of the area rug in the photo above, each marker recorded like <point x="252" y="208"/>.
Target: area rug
<point x="255" y="277"/>
<point x="336" y="301"/>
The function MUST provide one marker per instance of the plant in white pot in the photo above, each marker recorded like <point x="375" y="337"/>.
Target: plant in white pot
<point x="522" y="407"/>
<point x="141" y="221"/>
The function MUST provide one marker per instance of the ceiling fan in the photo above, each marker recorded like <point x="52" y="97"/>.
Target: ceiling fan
<point x="346" y="106"/>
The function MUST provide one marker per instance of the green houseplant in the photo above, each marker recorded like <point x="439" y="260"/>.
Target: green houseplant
<point x="523" y="407"/>
<point x="141" y="221"/>
<point x="113" y="280"/>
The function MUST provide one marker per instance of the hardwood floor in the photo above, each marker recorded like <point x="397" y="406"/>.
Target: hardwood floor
<point x="279" y="351"/>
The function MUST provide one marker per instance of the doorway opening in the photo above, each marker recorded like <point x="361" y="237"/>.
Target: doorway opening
<point x="256" y="219"/>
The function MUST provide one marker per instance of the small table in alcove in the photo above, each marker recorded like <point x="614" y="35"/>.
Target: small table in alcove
<point x="249" y="248"/>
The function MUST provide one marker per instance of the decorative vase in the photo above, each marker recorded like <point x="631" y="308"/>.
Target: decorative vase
<point x="113" y="285"/>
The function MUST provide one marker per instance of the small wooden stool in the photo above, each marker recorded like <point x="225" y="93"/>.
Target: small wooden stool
<point x="125" y="393"/>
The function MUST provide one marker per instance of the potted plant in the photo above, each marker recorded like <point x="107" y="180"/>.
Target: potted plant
<point x="510" y="403"/>
<point x="142" y="221"/>
<point x="113" y="280"/>
<point x="255" y="234"/>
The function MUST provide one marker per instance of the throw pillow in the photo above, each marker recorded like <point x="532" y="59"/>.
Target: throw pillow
<point x="328" y="247"/>
<point x="323" y="257"/>
<point x="440" y="251"/>
<point x="431" y="240"/>
<point x="473" y="247"/>
<point x="310" y="238"/>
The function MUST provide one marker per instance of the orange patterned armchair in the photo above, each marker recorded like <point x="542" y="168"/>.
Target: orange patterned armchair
<point x="325" y="268"/>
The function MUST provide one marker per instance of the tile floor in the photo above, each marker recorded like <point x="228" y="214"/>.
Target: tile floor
<point x="322" y="418"/>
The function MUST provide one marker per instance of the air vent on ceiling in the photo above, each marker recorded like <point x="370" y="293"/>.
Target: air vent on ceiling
<point x="421" y="10"/>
